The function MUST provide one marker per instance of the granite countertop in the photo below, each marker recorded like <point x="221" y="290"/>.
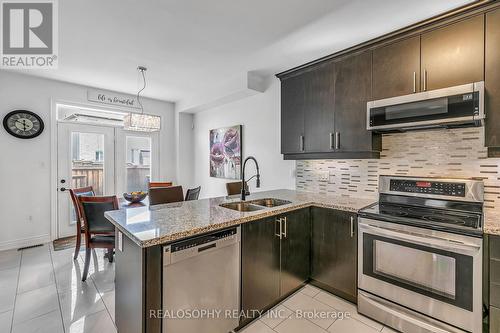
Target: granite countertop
<point x="149" y="226"/>
<point x="491" y="223"/>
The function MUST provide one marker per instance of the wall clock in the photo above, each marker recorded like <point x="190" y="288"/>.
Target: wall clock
<point x="23" y="124"/>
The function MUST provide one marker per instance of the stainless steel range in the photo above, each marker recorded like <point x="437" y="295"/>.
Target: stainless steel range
<point x="420" y="255"/>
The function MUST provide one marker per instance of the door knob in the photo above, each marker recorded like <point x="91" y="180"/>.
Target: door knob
<point x="63" y="189"/>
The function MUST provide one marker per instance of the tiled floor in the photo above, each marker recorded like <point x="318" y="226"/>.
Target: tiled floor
<point x="41" y="291"/>
<point x="311" y="310"/>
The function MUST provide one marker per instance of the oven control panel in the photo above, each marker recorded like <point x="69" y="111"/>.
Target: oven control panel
<point x="428" y="187"/>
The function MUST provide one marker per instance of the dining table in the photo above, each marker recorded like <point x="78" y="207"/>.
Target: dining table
<point x="126" y="204"/>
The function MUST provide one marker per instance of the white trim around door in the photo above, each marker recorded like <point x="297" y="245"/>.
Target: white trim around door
<point x="120" y="157"/>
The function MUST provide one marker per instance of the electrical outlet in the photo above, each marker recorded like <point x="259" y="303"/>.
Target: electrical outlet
<point x="324" y="176"/>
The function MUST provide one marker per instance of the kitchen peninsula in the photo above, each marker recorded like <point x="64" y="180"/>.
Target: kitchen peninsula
<point x="143" y="232"/>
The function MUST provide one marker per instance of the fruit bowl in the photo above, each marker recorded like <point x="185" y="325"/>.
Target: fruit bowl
<point x="135" y="197"/>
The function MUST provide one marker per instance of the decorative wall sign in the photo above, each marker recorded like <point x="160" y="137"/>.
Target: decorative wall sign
<point x="112" y="98"/>
<point x="23" y="124"/>
<point x="225" y="152"/>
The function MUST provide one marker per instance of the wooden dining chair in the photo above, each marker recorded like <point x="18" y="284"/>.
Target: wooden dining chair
<point x="74" y="194"/>
<point x="163" y="195"/>
<point x="193" y="193"/>
<point x="99" y="232"/>
<point x="234" y="188"/>
<point x="159" y="184"/>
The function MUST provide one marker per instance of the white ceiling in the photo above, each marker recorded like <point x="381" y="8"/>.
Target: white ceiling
<point x="191" y="45"/>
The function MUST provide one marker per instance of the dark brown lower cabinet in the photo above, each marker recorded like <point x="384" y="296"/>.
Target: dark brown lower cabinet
<point x="334" y="251"/>
<point x="271" y="266"/>
<point x="494" y="320"/>
<point x="260" y="265"/>
<point x="138" y="287"/>
<point x="295" y="250"/>
<point x="494" y="283"/>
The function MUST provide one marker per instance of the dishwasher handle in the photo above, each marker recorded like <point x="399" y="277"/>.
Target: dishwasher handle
<point x="207" y="247"/>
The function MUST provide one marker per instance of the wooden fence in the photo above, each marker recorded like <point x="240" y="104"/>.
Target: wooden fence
<point x="91" y="174"/>
<point x="138" y="178"/>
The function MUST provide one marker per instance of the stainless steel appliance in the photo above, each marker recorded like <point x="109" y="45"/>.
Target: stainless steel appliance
<point x="201" y="283"/>
<point x="450" y="107"/>
<point x="420" y="255"/>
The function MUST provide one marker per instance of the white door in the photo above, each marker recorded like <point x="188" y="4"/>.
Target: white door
<point x="137" y="160"/>
<point x="86" y="157"/>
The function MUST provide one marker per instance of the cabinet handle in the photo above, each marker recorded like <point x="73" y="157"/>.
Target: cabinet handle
<point x="331" y="141"/>
<point x="425" y="79"/>
<point x="279" y="234"/>
<point x="285" y="229"/>
<point x="352" y="226"/>
<point x="414" y="82"/>
<point x="337" y="140"/>
<point x="301" y="143"/>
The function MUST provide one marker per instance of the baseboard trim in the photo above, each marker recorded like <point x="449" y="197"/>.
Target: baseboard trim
<point x="18" y="243"/>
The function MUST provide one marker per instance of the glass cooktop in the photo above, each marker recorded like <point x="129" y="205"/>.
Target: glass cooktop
<point x="427" y="217"/>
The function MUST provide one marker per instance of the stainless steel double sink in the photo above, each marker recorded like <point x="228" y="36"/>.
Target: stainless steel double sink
<point x="253" y="205"/>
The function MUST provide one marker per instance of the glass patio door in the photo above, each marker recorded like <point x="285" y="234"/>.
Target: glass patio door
<point x="137" y="160"/>
<point x="86" y="157"/>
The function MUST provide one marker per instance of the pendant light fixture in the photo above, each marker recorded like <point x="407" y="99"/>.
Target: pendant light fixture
<point x="139" y="121"/>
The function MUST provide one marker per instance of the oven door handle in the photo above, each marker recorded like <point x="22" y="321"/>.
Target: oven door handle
<point x="421" y="239"/>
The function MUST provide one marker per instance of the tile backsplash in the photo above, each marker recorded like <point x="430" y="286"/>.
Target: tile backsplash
<point x="456" y="153"/>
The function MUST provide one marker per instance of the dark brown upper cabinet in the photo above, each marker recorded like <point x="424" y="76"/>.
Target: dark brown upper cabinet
<point x="323" y="106"/>
<point x="453" y="55"/>
<point x="318" y="108"/>
<point x="447" y="56"/>
<point x="292" y="114"/>
<point x="492" y="82"/>
<point x="396" y="69"/>
<point x="353" y="79"/>
<point x="316" y="123"/>
<point x="307" y="110"/>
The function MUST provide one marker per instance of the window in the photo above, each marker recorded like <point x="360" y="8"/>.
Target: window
<point x="99" y="156"/>
<point x="138" y="163"/>
<point x="87" y="160"/>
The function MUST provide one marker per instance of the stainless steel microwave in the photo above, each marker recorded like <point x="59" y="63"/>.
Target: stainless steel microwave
<point x="458" y="106"/>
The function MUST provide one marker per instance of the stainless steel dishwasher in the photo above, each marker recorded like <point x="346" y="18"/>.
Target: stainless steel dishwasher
<point x="201" y="283"/>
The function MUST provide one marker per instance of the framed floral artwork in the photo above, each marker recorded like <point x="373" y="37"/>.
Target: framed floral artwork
<point x="225" y="152"/>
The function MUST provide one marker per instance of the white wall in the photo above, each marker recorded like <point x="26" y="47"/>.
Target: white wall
<point x="260" y="117"/>
<point x="185" y="151"/>
<point x="25" y="206"/>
